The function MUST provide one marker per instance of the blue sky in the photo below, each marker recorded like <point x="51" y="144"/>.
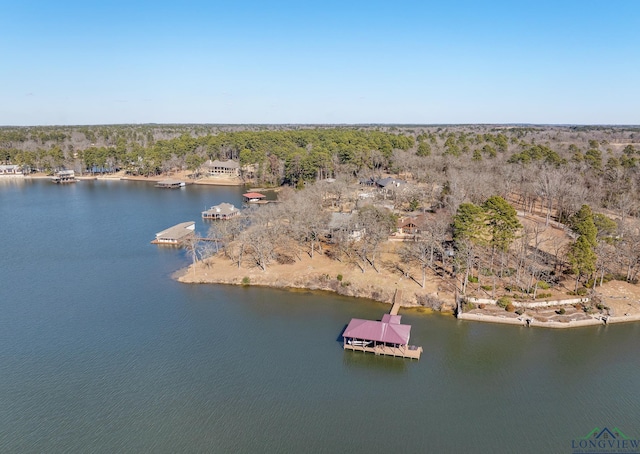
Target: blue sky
<point x="87" y="62"/>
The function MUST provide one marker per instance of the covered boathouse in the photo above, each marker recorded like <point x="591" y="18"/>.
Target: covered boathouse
<point x="385" y="337"/>
<point x="254" y="197"/>
<point x="64" y="176"/>
<point x="170" y="184"/>
<point x="176" y="235"/>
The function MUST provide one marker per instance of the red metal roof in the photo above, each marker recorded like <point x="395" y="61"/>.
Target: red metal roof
<point x="392" y="333"/>
<point x="254" y="195"/>
<point x="388" y="318"/>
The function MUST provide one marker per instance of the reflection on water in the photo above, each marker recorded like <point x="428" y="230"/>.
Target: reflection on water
<point x="101" y="351"/>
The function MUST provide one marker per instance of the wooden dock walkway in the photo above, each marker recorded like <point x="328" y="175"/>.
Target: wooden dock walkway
<point x="411" y="352"/>
<point x="397" y="299"/>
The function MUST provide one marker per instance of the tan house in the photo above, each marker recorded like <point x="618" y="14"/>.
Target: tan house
<point x="220" y="168"/>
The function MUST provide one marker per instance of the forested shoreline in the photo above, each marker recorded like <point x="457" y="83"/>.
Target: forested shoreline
<point x="557" y="167"/>
<point x="463" y="185"/>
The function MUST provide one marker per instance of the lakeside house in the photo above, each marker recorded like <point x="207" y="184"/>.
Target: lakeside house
<point x="64" y="176"/>
<point x="11" y="170"/>
<point x="177" y="234"/>
<point x="383" y="183"/>
<point x="390" y="183"/>
<point x="345" y="222"/>
<point x="223" y="211"/>
<point x="410" y="225"/>
<point x="220" y="168"/>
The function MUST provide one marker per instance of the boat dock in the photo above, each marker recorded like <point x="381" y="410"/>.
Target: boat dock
<point x="64" y="177"/>
<point x="176" y="235"/>
<point x="170" y="184"/>
<point x="385" y="337"/>
<point x="410" y="351"/>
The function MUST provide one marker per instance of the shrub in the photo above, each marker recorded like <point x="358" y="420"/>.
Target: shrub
<point x="520" y="311"/>
<point x="339" y="277"/>
<point x="600" y="306"/>
<point x="481" y="306"/>
<point x="510" y="308"/>
<point x="430" y="301"/>
<point x="486" y="287"/>
<point x="284" y="259"/>
<point x="503" y="301"/>
<point x="582" y="291"/>
<point x="467" y="306"/>
<point x="561" y="311"/>
<point x="543" y="285"/>
<point x="542" y="295"/>
<point x="246" y="280"/>
<point x="608" y="277"/>
<point x="486" y="272"/>
<point x="473" y="279"/>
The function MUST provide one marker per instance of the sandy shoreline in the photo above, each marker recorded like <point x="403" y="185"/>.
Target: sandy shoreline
<point x="212" y="181"/>
<point x="319" y="273"/>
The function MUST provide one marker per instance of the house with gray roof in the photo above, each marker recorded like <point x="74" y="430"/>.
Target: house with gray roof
<point x="177" y="234"/>
<point x="223" y="211"/>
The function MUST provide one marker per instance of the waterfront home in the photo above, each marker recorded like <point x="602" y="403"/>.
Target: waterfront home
<point x="11" y="170"/>
<point x="344" y="222"/>
<point x="389" y="183"/>
<point x="223" y="211"/>
<point x="64" y="176"/>
<point x="170" y="184"/>
<point x="410" y="225"/>
<point x="177" y="234"/>
<point x="220" y="168"/>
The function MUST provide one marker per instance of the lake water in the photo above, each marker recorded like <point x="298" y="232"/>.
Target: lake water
<point x="101" y="351"/>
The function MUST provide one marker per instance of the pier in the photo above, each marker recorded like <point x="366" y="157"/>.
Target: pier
<point x="397" y="298"/>
<point x="410" y="351"/>
<point x="385" y="337"/>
